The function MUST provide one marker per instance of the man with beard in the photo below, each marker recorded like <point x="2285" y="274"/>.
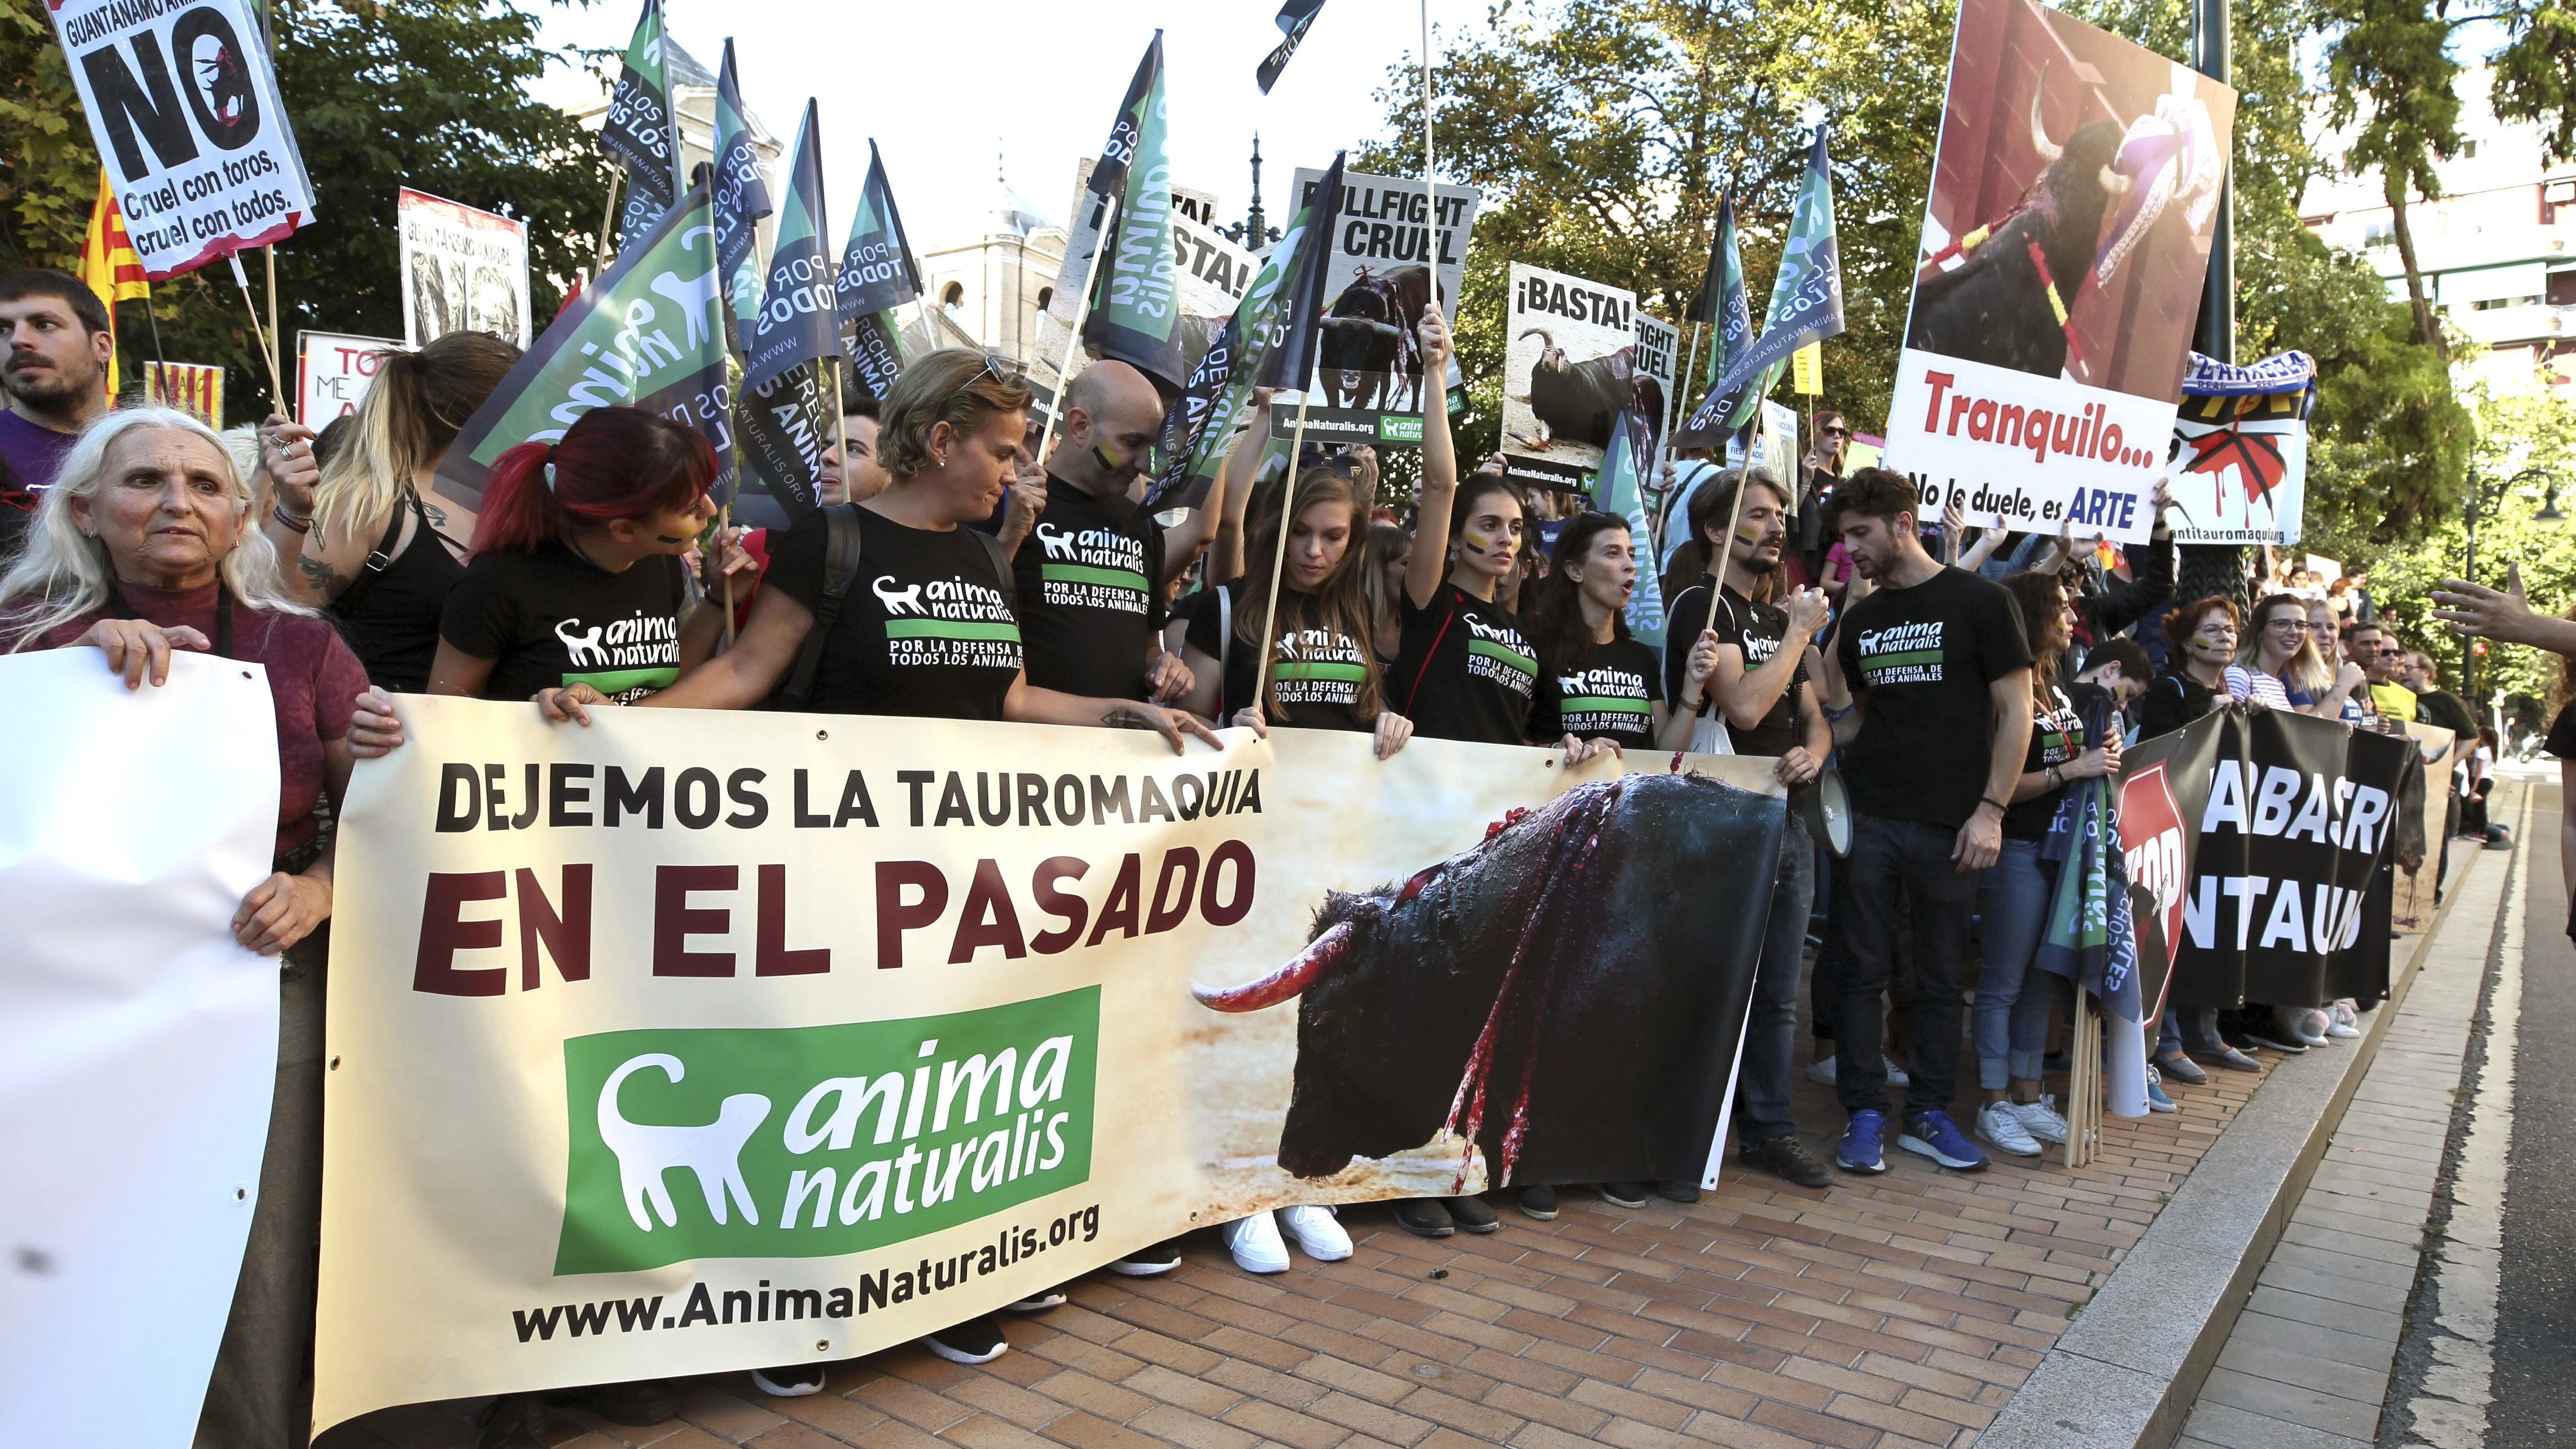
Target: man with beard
<point x="1932" y="752"/>
<point x="59" y="341"/>
<point x="1759" y="685"/>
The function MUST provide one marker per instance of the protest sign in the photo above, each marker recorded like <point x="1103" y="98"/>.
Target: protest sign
<point x="332" y="373"/>
<point x="183" y="106"/>
<point x="922" y="1038"/>
<point x="138" y="1042"/>
<point x="2238" y="467"/>
<point x="463" y="270"/>
<point x="649" y="334"/>
<point x="194" y="388"/>
<point x="1367" y="386"/>
<point x="2064" y="249"/>
<point x="1569" y="371"/>
<point x="2256" y="847"/>
<point x="1659" y="359"/>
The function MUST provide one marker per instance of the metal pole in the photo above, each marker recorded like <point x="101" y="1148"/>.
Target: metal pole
<point x="2468" y="646"/>
<point x="607" y="219"/>
<point x="1081" y="315"/>
<point x="1279" y="559"/>
<point x="2211" y="54"/>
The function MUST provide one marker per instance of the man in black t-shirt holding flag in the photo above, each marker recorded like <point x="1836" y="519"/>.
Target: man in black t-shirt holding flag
<point x="1941" y="669"/>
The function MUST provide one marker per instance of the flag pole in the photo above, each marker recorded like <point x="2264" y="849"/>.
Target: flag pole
<point x="607" y="218"/>
<point x="268" y="255"/>
<point x="1431" y="202"/>
<point x="1690" y="363"/>
<point x="276" y="388"/>
<point x="1279" y="557"/>
<point x="1081" y="315"/>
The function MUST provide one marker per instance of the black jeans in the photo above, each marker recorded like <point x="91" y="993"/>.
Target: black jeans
<point x="1884" y="855"/>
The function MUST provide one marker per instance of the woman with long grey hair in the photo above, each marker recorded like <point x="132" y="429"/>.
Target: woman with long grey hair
<point x="143" y="546"/>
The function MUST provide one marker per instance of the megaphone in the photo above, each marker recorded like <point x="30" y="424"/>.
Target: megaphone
<point x="1823" y="809"/>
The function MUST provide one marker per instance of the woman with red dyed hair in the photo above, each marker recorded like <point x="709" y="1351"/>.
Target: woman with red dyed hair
<point x="574" y="577"/>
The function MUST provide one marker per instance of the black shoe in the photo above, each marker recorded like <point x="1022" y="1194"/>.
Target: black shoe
<point x="977" y="1340"/>
<point x="1149" y="1262"/>
<point x="1677" y="1191"/>
<point x="513" y="1421"/>
<point x="640" y="1404"/>
<point x="1539" y="1202"/>
<point x="1788" y="1159"/>
<point x="1424" y="1217"/>
<point x="1471" y="1213"/>
<point x="2181" y="1068"/>
<point x="789" y="1383"/>
<point x="1038" y="1302"/>
<point x="1627" y="1194"/>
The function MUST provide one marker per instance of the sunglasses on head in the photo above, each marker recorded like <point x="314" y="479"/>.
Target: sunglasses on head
<point x="993" y="369"/>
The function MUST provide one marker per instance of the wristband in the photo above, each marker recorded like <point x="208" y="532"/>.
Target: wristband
<point x="300" y="525"/>
<point x="2000" y="807"/>
<point x="1833" y="715"/>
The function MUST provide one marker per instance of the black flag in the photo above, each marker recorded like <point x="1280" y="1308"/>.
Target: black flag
<point x="1291" y="363"/>
<point x="1295" y="18"/>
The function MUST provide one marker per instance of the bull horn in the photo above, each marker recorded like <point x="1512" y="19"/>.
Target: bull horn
<point x="2048" y="150"/>
<point x="1282" y="984"/>
<point x="2117" y="183"/>
<point x="1541" y="334"/>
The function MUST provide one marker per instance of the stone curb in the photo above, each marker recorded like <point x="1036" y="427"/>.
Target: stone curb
<point x="2129" y="1369"/>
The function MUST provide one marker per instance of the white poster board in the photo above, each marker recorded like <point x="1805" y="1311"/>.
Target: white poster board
<point x="463" y="270"/>
<point x="138" y="1043"/>
<point x="332" y="371"/>
<point x="1569" y="370"/>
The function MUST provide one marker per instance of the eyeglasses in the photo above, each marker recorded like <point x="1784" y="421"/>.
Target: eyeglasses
<point x="2215" y="631"/>
<point x="993" y="369"/>
<point x="2295" y="626"/>
<point x="1838" y="432"/>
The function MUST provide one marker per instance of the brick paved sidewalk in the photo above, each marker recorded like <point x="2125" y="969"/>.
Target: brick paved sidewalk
<point x="1877" y="1314"/>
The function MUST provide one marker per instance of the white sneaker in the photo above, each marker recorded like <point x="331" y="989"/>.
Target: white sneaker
<point x="1254" y="1241"/>
<point x="2338" y="1030"/>
<point x="2002" y="1128"/>
<point x="1318" y="1233"/>
<point x="2305" y="1025"/>
<point x="1895" y="1074"/>
<point x="2040" y="1119"/>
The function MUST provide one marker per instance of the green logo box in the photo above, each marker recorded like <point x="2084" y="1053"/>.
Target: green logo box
<point x="808" y="1142"/>
<point x="1400" y="427"/>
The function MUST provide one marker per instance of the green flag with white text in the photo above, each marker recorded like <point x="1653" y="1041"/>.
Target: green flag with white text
<point x="1137" y="317"/>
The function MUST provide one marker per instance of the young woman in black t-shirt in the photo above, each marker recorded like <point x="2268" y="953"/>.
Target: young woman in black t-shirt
<point x="574" y="585"/>
<point x="1600" y="691"/>
<point x="1467" y="672"/>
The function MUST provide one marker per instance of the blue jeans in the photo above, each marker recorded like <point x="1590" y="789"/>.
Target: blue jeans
<point x="1884" y="855"/>
<point x="2013" y="995"/>
<point x="1771" y="1023"/>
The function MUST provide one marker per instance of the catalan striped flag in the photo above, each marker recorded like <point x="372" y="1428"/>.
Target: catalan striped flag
<point x="109" y="265"/>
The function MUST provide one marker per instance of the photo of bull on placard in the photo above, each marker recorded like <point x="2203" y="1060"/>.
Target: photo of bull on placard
<point x="2075" y="194"/>
<point x="1387" y="257"/>
<point x="1570" y="367"/>
<point x="1559" y="1003"/>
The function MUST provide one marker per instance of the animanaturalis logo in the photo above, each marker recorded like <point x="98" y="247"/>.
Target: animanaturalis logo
<point x="803" y="1142"/>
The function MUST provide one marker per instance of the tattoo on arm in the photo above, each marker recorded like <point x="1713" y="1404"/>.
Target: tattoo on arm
<point x="1127" y="717"/>
<point x="317" y="573"/>
<point x="437" y="515"/>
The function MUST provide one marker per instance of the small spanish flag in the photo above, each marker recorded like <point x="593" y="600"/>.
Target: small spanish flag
<point x="109" y="265"/>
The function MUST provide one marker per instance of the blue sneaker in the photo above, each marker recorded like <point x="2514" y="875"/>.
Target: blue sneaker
<point x="1859" y="1150"/>
<point x="1935" y="1136"/>
<point x="2157" y="1101"/>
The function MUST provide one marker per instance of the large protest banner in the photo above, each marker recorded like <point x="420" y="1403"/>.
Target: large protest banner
<point x="1659" y="360"/>
<point x="2256" y="846"/>
<point x="2064" y="250"/>
<point x="1367" y="386"/>
<point x="697" y="1041"/>
<point x="1569" y="370"/>
<point x="138" y="1042"/>
<point x="463" y="270"/>
<point x="183" y="105"/>
<point x="333" y="371"/>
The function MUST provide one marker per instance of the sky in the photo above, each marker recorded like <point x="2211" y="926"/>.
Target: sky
<point x="945" y="85"/>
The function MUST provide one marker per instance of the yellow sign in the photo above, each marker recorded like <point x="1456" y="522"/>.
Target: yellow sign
<point x="1807" y="369"/>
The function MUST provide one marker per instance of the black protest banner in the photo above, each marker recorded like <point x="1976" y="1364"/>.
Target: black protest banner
<point x="1137" y="316"/>
<point x="785" y="408"/>
<point x="640" y="132"/>
<point x="878" y="274"/>
<point x="786" y="423"/>
<point x="2258" y="846"/>
<point x="1295" y="19"/>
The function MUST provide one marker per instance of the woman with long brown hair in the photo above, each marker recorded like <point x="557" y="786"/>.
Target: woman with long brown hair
<point x="1600" y="690"/>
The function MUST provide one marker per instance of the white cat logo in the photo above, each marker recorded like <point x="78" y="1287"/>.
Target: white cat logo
<point x="1059" y="544"/>
<point x="645" y="1152"/>
<point x="582" y="647"/>
<point x="897" y="601"/>
<point x="696" y="296"/>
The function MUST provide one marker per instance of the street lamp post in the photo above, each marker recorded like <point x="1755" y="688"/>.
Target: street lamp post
<point x="2480" y="494"/>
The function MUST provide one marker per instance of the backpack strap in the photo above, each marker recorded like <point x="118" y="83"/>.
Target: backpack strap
<point x="1449" y="615"/>
<point x="841" y="546"/>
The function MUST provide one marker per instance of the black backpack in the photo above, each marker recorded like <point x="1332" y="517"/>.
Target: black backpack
<point x="841" y="547"/>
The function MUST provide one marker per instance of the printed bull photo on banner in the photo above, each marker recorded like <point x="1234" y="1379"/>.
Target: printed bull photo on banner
<point x="2065" y="245"/>
<point x="1570" y="367"/>
<point x="1384" y="257"/>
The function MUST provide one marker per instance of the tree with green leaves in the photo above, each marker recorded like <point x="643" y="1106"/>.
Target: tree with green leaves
<point x="430" y="94"/>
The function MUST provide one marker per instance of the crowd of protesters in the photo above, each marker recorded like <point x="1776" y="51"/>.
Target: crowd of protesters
<point x="1962" y="683"/>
